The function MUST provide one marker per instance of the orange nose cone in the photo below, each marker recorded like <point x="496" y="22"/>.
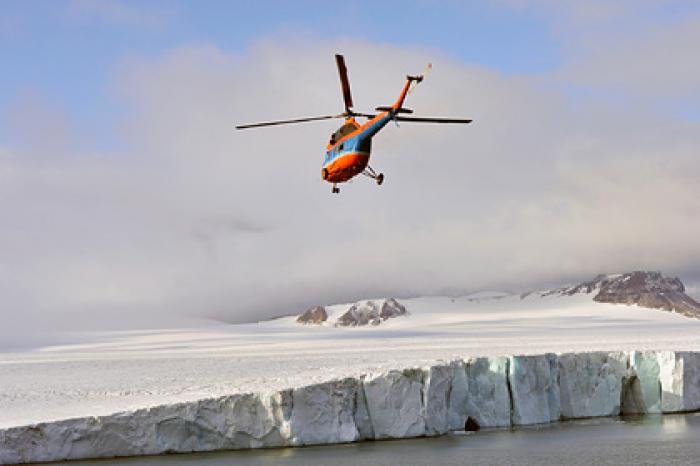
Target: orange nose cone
<point x="324" y="173"/>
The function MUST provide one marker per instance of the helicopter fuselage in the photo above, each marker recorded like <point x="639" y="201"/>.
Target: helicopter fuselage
<point x="349" y="148"/>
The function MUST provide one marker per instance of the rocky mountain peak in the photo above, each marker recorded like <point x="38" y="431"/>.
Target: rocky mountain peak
<point x="644" y="288"/>
<point x="359" y="314"/>
<point x="316" y="315"/>
<point x="370" y="313"/>
<point x="637" y="281"/>
<point x="392" y="308"/>
<point x="640" y="282"/>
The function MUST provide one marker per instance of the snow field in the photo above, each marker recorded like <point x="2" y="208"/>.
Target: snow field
<point x="104" y="373"/>
<point x="426" y="401"/>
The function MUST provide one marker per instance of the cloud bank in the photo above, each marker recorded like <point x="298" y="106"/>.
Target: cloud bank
<point x="194" y="220"/>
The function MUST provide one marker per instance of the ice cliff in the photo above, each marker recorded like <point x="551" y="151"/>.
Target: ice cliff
<point x="410" y="402"/>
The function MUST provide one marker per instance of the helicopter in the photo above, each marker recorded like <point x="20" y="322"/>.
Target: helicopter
<point x="348" y="150"/>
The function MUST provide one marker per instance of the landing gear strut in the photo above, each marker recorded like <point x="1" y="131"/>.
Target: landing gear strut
<point x="370" y="173"/>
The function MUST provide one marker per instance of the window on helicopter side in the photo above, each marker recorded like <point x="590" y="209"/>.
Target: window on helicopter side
<point x="346" y="129"/>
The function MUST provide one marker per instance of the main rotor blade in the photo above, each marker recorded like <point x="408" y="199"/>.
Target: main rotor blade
<point x="344" y="83"/>
<point x="432" y="120"/>
<point x="284" y="122"/>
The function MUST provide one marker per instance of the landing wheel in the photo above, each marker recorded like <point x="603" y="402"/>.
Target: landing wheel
<point x="370" y="173"/>
<point x="335" y="189"/>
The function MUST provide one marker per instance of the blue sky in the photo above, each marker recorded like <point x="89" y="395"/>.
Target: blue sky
<point x="66" y="51"/>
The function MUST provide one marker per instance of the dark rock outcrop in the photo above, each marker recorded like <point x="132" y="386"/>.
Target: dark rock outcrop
<point x="315" y="316"/>
<point x="360" y="314"/>
<point x="369" y="313"/>
<point x="392" y="308"/>
<point x="646" y="289"/>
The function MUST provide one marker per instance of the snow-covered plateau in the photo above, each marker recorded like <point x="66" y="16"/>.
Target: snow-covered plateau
<point x="450" y="364"/>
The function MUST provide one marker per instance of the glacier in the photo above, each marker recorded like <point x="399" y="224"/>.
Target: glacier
<point x="488" y="401"/>
<point x="462" y="394"/>
<point x="680" y="381"/>
<point x="534" y="389"/>
<point x="591" y="383"/>
<point x="643" y="394"/>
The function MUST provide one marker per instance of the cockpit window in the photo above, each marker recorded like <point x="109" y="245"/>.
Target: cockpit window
<point x="343" y="131"/>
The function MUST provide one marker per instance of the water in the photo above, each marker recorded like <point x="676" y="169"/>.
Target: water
<point x="650" y="440"/>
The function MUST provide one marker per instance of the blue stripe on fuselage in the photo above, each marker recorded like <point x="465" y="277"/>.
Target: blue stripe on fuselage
<point x="347" y="146"/>
<point x="350" y="144"/>
<point x="381" y="120"/>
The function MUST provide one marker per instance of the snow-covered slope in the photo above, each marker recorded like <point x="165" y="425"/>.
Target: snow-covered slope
<point x="132" y="370"/>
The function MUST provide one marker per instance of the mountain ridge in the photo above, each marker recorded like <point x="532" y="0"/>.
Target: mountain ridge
<point x="650" y="289"/>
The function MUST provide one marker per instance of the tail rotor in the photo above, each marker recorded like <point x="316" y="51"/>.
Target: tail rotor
<point x="420" y="77"/>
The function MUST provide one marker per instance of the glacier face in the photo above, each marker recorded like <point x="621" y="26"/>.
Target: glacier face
<point x="324" y="413"/>
<point x="395" y="404"/>
<point x="461" y="394"/>
<point x="643" y="384"/>
<point x="457" y="399"/>
<point x="488" y="401"/>
<point x="591" y="383"/>
<point x="679" y="374"/>
<point x="436" y="391"/>
<point x="534" y="389"/>
<point x="230" y="422"/>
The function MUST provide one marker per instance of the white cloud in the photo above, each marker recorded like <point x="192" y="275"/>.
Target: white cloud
<point x="658" y="61"/>
<point x="628" y="50"/>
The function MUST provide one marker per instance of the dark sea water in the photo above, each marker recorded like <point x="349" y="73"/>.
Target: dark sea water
<point x="651" y="440"/>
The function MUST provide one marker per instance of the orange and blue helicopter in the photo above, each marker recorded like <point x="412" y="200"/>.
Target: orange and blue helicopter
<point x="348" y="151"/>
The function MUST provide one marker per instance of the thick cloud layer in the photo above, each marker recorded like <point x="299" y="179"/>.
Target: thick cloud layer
<point x="193" y="219"/>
